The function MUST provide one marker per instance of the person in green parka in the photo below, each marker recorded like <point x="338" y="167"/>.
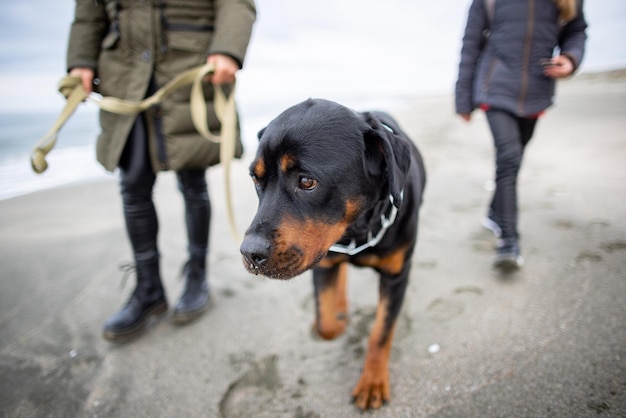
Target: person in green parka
<point x="129" y="49"/>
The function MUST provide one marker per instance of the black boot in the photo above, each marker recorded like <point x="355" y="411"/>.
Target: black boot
<point x="194" y="300"/>
<point x="147" y="299"/>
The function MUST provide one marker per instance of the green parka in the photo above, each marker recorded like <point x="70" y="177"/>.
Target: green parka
<point x="129" y="42"/>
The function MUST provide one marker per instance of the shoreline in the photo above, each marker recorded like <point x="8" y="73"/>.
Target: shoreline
<point x="96" y="173"/>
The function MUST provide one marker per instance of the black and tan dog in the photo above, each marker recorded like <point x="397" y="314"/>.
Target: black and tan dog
<point x="338" y="187"/>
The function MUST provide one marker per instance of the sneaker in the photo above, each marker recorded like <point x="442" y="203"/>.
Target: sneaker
<point x="492" y="225"/>
<point x="508" y="256"/>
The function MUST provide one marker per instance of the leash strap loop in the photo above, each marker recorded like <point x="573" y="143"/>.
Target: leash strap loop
<point x="225" y="108"/>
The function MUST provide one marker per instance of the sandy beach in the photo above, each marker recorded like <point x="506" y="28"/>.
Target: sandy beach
<point x="547" y="341"/>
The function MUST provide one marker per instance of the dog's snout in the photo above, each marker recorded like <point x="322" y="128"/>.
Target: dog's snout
<point x="255" y="251"/>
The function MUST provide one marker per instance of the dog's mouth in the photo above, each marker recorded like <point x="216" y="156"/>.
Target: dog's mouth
<point x="290" y="249"/>
<point x="280" y="265"/>
<point x="272" y="273"/>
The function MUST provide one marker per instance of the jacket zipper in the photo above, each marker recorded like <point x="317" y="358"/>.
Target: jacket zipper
<point x="530" y="27"/>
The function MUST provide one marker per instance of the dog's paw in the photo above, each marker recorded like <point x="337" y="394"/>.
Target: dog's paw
<point x="330" y="328"/>
<point x="372" y="391"/>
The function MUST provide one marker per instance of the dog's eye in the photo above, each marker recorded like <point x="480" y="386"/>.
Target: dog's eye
<point x="307" y="183"/>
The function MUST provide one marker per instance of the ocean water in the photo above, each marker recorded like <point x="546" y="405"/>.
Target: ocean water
<point x="362" y="53"/>
<point x="71" y="161"/>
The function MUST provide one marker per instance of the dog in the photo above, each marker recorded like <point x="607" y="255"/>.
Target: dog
<point x="336" y="187"/>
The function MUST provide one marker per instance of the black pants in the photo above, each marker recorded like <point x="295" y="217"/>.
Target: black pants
<point x="136" y="183"/>
<point x="511" y="134"/>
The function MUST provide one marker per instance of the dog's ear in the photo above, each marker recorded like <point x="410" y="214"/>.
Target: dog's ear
<point x="260" y="134"/>
<point x="381" y="140"/>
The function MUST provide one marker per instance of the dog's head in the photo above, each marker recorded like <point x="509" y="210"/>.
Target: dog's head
<point x="318" y="167"/>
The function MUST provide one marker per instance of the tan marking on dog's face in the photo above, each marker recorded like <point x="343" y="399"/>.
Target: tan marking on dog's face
<point x="287" y="162"/>
<point x="353" y="207"/>
<point x="259" y="168"/>
<point x="332" y="304"/>
<point x="299" y="245"/>
<point x="391" y="264"/>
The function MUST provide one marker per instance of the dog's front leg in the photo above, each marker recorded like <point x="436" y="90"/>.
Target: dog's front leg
<point x="330" y="299"/>
<point x="373" y="388"/>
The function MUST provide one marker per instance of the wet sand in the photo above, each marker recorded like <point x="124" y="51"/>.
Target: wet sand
<point x="549" y="340"/>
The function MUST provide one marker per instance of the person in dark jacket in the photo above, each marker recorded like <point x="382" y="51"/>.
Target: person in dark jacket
<point x="129" y="49"/>
<point x="512" y="54"/>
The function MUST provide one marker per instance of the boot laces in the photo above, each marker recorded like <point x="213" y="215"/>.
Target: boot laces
<point x="185" y="270"/>
<point x="127" y="268"/>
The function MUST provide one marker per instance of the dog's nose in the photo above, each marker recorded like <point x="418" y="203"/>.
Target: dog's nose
<point x="255" y="251"/>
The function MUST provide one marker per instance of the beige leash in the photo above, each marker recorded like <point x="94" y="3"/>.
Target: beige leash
<point x="225" y="109"/>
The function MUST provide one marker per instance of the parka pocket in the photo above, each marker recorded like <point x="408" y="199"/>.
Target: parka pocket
<point x="185" y="50"/>
<point x="189" y="41"/>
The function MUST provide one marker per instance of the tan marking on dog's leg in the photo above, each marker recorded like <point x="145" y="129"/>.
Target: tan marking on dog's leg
<point x="333" y="306"/>
<point x="312" y="237"/>
<point x="373" y="389"/>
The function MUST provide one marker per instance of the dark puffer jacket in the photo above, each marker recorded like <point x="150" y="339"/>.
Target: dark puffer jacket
<point x="505" y="72"/>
